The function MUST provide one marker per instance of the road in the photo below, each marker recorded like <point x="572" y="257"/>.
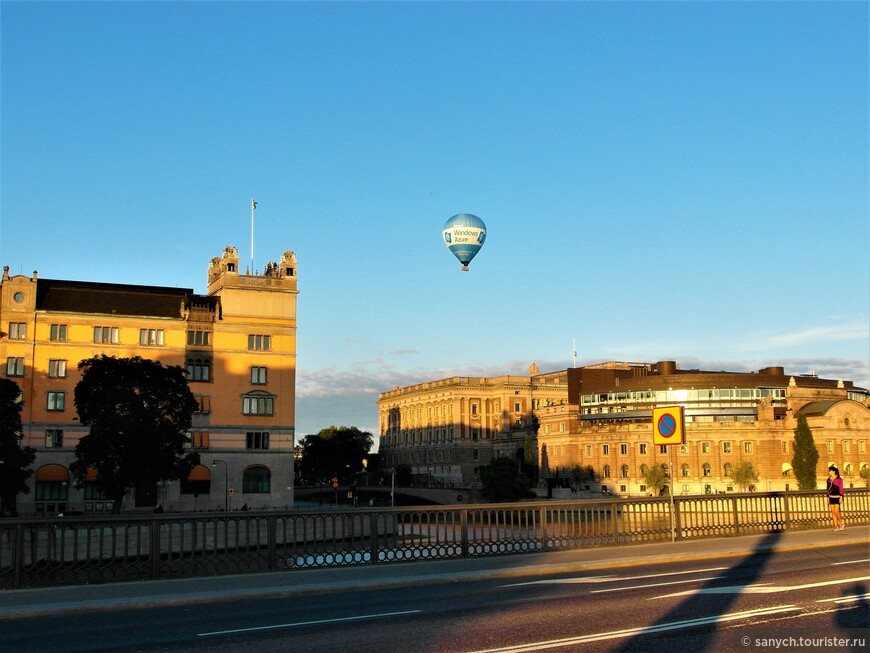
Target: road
<point x="788" y="601"/>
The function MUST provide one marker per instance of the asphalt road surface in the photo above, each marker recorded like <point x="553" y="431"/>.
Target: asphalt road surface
<point x="812" y="600"/>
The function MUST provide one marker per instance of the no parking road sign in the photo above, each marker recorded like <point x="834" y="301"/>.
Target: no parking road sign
<point x="668" y="425"/>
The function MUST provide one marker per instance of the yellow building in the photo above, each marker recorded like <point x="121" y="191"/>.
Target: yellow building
<point x="600" y="417"/>
<point x="446" y="430"/>
<point x="237" y="342"/>
<point x="730" y="418"/>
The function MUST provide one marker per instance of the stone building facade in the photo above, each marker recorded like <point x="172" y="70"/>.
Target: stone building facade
<point x="600" y="418"/>
<point x="237" y="343"/>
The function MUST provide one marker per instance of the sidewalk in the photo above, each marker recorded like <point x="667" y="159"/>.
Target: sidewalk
<point x="55" y="600"/>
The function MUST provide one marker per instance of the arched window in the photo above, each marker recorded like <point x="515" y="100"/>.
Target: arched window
<point x="607" y="471"/>
<point x="707" y="470"/>
<point x="257" y="480"/>
<point x="728" y="470"/>
<point x="198" y="481"/>
<point x="786" y="469"/>
<point x="644" y="470"/>
<point x="623" y="471"/>
<point x="666" y="470"/>
<point x="848" y="470"/>
<point x="684" y="470"/>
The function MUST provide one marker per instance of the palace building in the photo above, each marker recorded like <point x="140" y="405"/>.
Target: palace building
<point x="237" y="343"/>
<point x="599" y="417"/>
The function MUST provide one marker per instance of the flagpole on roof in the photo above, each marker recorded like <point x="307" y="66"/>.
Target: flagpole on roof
<point x="253" y="206"/>
<point x="574" y="350"/>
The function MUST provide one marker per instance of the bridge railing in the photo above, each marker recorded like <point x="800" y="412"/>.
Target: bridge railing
<point x="98" y="549"/>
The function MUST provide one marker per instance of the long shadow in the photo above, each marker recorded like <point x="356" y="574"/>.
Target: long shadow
<point x="855" y="619"/>
<point x="746" y="572"/>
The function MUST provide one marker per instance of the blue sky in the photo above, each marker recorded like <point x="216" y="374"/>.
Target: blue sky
<point x="676" y="181"/>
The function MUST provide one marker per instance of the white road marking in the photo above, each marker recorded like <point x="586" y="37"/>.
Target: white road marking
<point x="643" y="587"/>
<point x="309" y="623"/>
<point x="610" y="579"/>
<point x="642" y="630"/>
<point x="846" y="599"/>
<point x="762" y="589"/>
<point x="850" y="562"/>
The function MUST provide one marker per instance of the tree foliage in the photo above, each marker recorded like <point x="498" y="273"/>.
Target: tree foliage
<point x="745" y="474"/>
<point x="404" y="475"/>
<point x="336" y="451"/>
<point x="805" y="457"/>
<point x="503" y="481"/>
<point x="655" y="478"/>
<point x="15" y="460"/>
<point x="579" y="474"/>
<point x="139" y="413"/>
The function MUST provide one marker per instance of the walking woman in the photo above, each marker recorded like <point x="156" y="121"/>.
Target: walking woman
<point x="835" y="493"/>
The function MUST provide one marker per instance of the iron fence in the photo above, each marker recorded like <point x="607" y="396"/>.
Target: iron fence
<point x="99" y="549"/>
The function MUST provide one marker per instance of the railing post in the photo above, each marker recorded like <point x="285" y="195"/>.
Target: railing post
<point x="373" y="528"/>
<point x="272" y="534"/>
<point x="17" y="555"/>
<point x="544" y="537"/>
<point x="736" y="516"/>
<point x="678" y="527"/>
<point x="614" y="517"/>
<point x="154" y="538"/>
<point x="787" y="508"/>
<point x="464" y="529"/>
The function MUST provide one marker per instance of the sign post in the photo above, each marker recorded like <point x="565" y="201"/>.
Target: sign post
<point x="668" y="430"/>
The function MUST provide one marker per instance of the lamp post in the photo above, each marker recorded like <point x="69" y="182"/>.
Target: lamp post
<point x="226" y="482"/>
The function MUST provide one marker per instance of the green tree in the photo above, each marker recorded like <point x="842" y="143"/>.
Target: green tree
<point x="530" y="458"/>
<point x="745" y="474"/>
<point x="579" y="474"/>
<point x="139" y="413"/>
<point x="15" y="460"/>
<point x="503" y="481"/>
<point x="805" y="456"/>
<point x="865" y="475"/>
<point x="655" y="478"/>
<point x="404" y="475"/>
<point x="336" y="451"/>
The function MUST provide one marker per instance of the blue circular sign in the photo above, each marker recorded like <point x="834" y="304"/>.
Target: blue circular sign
<point x="667" y="425"/>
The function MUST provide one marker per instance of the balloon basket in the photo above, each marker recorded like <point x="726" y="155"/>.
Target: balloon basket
<point x="465" y="268"/>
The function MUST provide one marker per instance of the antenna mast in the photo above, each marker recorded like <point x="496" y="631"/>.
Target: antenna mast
<point x="253" y="207"/>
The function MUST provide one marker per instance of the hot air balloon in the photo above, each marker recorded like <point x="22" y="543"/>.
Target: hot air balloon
<point x="464" y="235"/>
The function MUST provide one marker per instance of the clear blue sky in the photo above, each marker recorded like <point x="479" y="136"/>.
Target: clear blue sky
<point x="683" y="181"/>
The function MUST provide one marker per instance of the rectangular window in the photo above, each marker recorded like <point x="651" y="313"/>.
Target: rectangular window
<point x="588" y="450"/>
<point x="847" y="447"/>
<point x="518" y="407"/>
<point x="258" y="375"/>
<point x="151" y="337"/>
<point x="259" y="342"/>
<point x="474" y="409"/>
<point x="17" y="331"/>
<point x="705" y="447"/>
<point x="663" y="449"/>
<point x="106" y="335"/>
<point x="197" y="440"/>
<point x="862" y="446"/>
<point x="474" y="435"/>
<point x="829" y="445"/>
<point x="623" y="449"/>
<point x="199" y="338"/>
<point x="203" y="403"/>
<point x="198" y="369"/>
<point x="56" y="400"/>
<point x="58" y="332"/>
<point x="475" y="454"/>
<point x="15" y="366"/>
<point x="643" y="448"/>
<point x="53" y="438"/>
<point x="256" y="440"/>
<point x="747" y="447"/>
<point x="258" y="405"/>
<point x="684" y="448"/>
<point x="605" y="449"/>
<point x="56" y="368"/>
<point x="561" y="427"/>
<point x="726" y="447"/>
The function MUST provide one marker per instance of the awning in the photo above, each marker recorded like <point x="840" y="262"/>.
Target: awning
<point x="91" y="475"/>
<point x="52" y="473"/>
<point x="199" y="473"/>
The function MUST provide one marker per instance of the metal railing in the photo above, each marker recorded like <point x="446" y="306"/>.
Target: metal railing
<point x="98" y="549"/>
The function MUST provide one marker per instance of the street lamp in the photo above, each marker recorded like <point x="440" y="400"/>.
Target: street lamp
<point x="226" y="482"/>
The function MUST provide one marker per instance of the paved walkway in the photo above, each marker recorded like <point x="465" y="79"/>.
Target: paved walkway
<point x="54" y="600"/>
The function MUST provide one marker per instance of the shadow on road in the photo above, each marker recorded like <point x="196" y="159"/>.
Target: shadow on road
<point x="746" y="572"/>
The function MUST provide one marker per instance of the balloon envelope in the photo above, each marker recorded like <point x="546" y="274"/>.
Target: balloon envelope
<point x="464" y="235"/>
